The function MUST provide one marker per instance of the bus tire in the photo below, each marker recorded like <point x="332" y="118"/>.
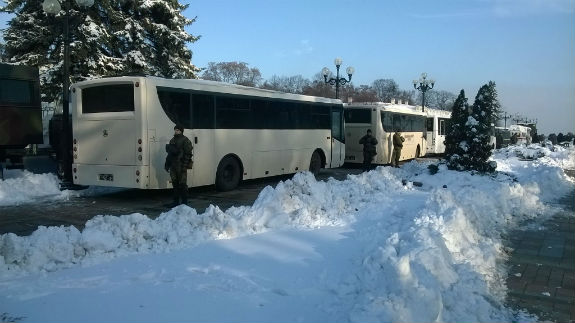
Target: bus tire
<point x="417" y="152"/>
<point x="229" y="174"/>
<point x="315" y="163"/>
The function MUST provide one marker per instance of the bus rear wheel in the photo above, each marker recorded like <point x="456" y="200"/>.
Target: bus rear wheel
<point x="417" y="153"/>
<point x="315" y="163"/>
<point x="228" y="175"/>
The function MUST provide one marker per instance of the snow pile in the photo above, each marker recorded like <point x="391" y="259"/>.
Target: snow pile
<point x="20" y="187"/>
<point x="421" y="272"/>
<point x="299" y="203"/>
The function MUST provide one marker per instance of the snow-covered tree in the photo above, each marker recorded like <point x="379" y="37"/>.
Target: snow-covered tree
<point x="468" y="136"/>
<point x="2" y="51"/>
<point x="456" y="146"/>
<point x="486" y="107"/>
<point x="109" y="38"/>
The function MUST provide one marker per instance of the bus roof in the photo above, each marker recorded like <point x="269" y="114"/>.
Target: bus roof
<point x="211" y="86"/>
<point x="436" y="112"/>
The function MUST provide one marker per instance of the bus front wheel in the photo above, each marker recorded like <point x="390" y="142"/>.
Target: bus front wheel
<point x="417" y="152"/>
<point x="228" y="175"/>
<point x="315" y="163"/>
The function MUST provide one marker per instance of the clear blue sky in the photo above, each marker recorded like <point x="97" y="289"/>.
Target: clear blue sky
<point x="526" y="46"/>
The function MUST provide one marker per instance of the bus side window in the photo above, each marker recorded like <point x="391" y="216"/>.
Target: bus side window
<point x="441" y="127"/>
<point x="263" y="116"/>
<point x="383" y="121"/>
<point x="409" y="123"/>
<point x="233" y="113"/>
<point x="304" y="116"/>
<point x="320" y="117"/>
<point x="429" y="124"/>
<point x="396" y="122"/>
<point x="287" y="115"/>
<point x="387" y="119"/>
<point x="203" y="111"/>
<point x="176" y="104"/>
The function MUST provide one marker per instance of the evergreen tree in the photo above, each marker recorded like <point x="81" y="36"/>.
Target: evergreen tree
<point x="456" y="147"/>
<point x="2" y="50"/>
<point x="485" y="110"/>
<point x="467" y="143"/>
<point x="109" y="38"/>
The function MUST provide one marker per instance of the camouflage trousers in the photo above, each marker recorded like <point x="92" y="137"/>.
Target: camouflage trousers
<point x="179" y="183"/>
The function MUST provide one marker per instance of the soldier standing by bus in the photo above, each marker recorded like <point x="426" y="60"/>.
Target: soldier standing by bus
<point x="179" y="159"/>
<point x="369" y="143"/>
<point x="397" y="145"/>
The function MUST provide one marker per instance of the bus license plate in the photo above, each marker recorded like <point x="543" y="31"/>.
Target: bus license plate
<point x="106" y="177"/>
<point x="348" y="157"/>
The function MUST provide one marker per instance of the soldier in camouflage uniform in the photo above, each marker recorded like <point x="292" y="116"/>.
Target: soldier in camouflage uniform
<point x="397" y="145"/>
<point x="179" y="159"/>
<point x="369" y="151"/>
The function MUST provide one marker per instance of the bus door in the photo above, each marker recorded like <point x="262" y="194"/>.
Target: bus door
<point x="431" y="135"/>
<point x="337" y="138"/>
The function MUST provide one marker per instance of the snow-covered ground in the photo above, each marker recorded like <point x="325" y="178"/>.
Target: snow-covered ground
<point x="366" y="249"/>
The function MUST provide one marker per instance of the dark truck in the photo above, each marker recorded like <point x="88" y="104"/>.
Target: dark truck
<point x="20" y="113"/>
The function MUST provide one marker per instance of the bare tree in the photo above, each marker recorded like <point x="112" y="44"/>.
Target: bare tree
<point x="290" y="84"/>
<point x="363" y="93"/>
<point x="318" y="87"/>
<point x="386" y="89"/>
<point x="406" y="96"/>
<point x="437" y="99"/>
<point x="232" y="72"/>
<point x="444" y="99"/>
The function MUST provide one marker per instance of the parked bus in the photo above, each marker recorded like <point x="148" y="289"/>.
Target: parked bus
<point x="20" y="112"/>
<point x="383" y="119"/>
<point x="522" y="133"/>
<point x="121" y="126"/>
<point x="436" y="126"/>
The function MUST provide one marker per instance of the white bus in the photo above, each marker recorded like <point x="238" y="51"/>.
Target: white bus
<point x="522" y="133"/>
<point x="383" y="119"/>
<point x="436" y="125"/>
<point x="121" y="126"/>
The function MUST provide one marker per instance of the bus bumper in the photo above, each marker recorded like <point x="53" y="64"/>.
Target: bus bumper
<point x="108" y="175"/>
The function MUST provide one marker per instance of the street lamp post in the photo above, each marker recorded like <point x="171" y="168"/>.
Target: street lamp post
<point x="423" y="85"/>
<point x="54" y="7"/>
<point x="505" y="117"/>
<point x="337" y="80"/>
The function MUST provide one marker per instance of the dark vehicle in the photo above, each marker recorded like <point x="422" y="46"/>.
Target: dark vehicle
<point x="20" y="112"/>
<point x="502" y="137"/>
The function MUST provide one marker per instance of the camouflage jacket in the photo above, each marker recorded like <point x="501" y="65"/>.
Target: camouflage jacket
<point x="180" y="152"/>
